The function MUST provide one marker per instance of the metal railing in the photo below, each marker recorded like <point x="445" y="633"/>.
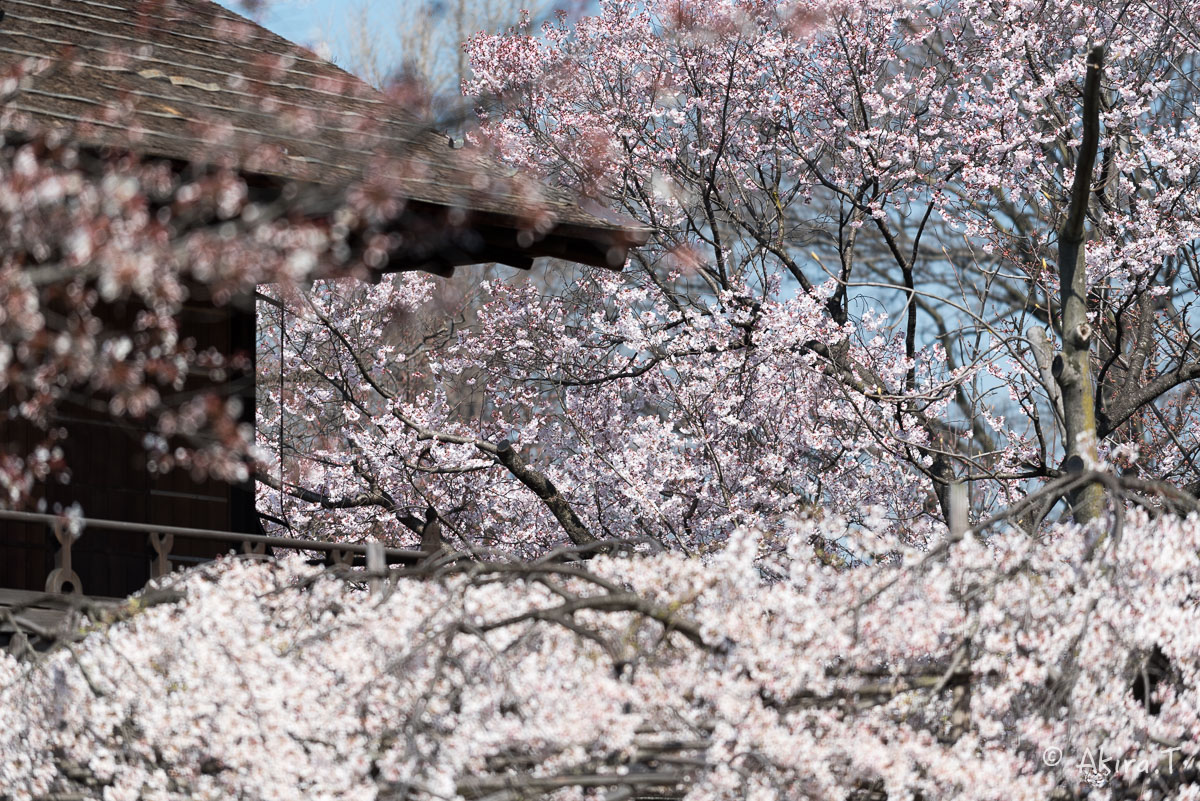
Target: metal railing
<point x="162" y="540"/>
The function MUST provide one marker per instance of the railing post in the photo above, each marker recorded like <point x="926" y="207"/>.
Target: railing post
<point x="63" y="574"/>
<point x="160" y="565"/>
<point x="960" y="510"/>
<point x="376" y="566"/>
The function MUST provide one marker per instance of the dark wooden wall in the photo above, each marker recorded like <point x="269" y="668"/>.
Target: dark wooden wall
<point x="109" y="480"/>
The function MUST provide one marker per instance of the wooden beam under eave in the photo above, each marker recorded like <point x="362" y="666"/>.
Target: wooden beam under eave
<point x="433" y="245"/>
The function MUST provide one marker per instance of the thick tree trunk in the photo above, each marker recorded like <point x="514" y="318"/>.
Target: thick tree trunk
<point x="1072" y="366"/>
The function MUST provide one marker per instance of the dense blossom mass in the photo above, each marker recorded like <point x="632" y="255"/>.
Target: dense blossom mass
<point x="853" y="299"/>
<point x="641" y="674"/>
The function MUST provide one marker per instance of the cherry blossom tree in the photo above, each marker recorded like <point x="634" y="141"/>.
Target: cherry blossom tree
<point x="991" y="666"/>
<point x="865" y="285"/>
<point x="703" y="521"/>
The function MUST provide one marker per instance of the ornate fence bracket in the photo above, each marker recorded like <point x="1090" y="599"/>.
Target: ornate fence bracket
<point x="160" y="565"/>
<point x="63" y="576"/>
<point x="254" y="548"/>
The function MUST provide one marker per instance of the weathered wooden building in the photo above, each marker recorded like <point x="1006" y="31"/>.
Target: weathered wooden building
<point x="193" y="84"/>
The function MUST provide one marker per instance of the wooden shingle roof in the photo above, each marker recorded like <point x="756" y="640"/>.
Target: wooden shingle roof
<point x="191" y="81"/>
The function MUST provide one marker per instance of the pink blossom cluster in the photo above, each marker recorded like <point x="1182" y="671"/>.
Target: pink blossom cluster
<point x="101" y="255"/>
<point x="682" y="425"/>
<point x="700" y="676"/>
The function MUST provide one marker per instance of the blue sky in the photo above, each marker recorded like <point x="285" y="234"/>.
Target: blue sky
<point x="326" y="25"/>
<point x="313" y="22"/>
<point x="301" y="21"/>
